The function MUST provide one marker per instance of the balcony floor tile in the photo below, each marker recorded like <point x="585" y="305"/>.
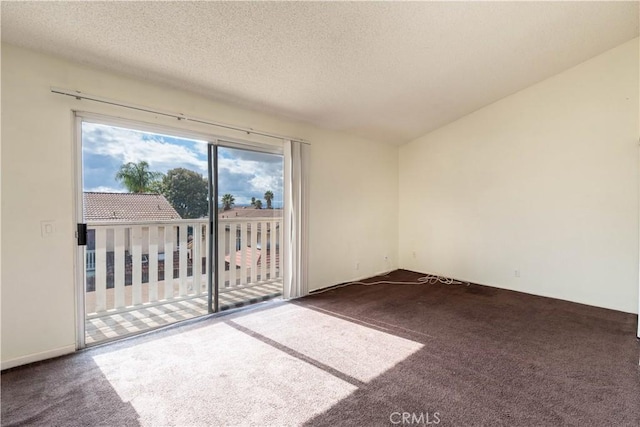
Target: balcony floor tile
<point x="120" y="325"/>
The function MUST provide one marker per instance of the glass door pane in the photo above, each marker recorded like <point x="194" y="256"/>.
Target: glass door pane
<point x="250" y="226"/>
<point x="146" y="205"/>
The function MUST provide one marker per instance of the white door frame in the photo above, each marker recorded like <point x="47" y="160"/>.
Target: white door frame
<point x="80" y="255"/>
<point x="80" y="258"/>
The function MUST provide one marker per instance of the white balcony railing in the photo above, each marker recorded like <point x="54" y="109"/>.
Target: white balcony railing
<point x="90" y="260"/>
<point x="130" y="265"/>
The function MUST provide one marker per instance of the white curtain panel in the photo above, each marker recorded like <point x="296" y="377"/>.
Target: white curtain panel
<point x="296" y="214"/>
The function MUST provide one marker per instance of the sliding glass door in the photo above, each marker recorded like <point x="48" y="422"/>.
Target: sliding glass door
<point x="171" y="227"/>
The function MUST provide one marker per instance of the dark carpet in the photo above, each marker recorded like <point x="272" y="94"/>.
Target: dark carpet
<point x="491" y="357"/>
<point x="431" y="354"/>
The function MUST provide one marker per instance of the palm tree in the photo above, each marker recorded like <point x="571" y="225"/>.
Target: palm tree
<point x="268" y="196"/>
<point x="227" y="201"/>
<point x="258" y="204"/>
<point x="137" y="177"/>
<point x="253" y="201"/>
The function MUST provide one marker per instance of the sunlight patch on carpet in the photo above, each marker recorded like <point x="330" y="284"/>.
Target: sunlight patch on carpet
<point x="355" y="350"/>
<point x="217" y="375"/>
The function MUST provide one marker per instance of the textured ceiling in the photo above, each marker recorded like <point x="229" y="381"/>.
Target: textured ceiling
<point x="388" y="71"/>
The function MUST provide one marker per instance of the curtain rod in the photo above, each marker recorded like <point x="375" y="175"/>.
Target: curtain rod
<point x="79" y="95"/>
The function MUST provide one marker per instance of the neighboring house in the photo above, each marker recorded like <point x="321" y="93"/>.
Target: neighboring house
<point x="100" y="208"/>
<point x="128" y="207"/>
<point x="142" y="208"/>
<point x="249" y="213"/>
<point x="243" y="244"/>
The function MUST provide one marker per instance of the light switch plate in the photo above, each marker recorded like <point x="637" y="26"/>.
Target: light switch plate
<point x="47" y="228"/>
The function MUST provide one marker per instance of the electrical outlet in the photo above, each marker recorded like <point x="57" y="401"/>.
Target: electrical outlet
<point x="357" y="266"/>
<point x="516" y="273"/>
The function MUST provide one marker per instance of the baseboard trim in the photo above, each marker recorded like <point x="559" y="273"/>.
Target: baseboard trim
<point x="358" y="279"/>
<point x="37" y="357"/>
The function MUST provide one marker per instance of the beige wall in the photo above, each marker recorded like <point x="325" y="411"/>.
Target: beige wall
<point x="353" y="193"/>
<point x="544" y="182"/>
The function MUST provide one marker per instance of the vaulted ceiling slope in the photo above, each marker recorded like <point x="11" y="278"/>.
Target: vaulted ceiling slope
<point x="387" y="71"/>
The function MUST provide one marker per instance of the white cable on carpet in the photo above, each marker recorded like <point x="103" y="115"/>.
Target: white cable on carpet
<point x="429" y="279"/>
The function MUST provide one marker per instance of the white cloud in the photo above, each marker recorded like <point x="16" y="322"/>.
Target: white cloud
<point x="106" y="189"/>
<point x="263" y="183"/>
<point x="250" y="178"/>
<point x="203" y="149"/>
<point x="244" y="174"/>
<point x="133" y="146"/>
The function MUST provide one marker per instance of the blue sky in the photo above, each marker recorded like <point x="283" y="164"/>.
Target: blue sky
<point x="244" y="174"/>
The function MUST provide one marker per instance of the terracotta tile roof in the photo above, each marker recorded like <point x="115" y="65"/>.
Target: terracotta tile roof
<point x="249" y="212"/>
<point x="249" y="256"/>
<point x="127" y="207"/>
